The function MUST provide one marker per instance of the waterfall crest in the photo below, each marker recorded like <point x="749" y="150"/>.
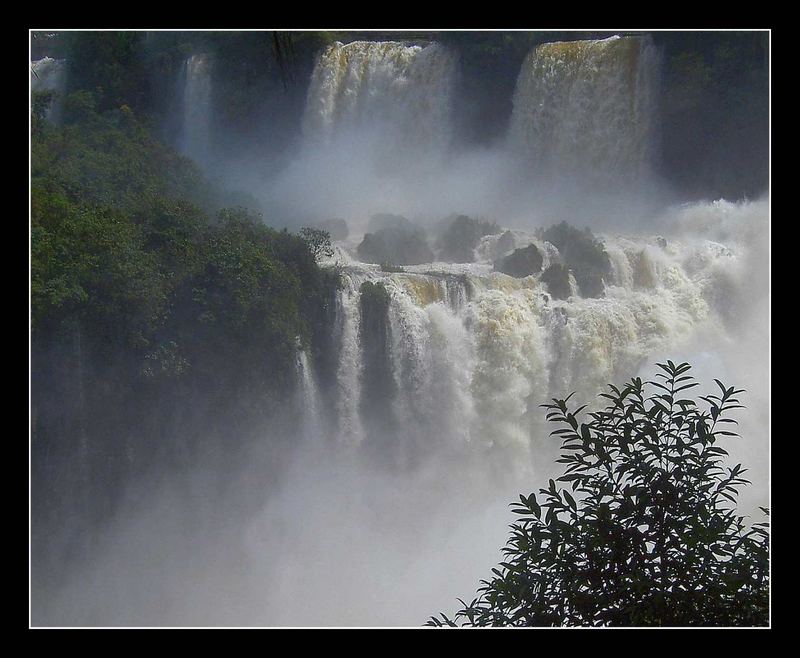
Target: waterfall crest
<point x="196" y="89"/>
<point x="404" y="88"/>
<point x="588" y="107"/>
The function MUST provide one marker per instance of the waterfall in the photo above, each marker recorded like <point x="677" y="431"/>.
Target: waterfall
<point x="587" y="108"/>
<point x="196" y="89"/>
<point x="48" y="74"/>
<point x="348" y="375"/>
<point x="401" y="91"/>
<point x="473" y="352"/>
<point x="309" y="398"/>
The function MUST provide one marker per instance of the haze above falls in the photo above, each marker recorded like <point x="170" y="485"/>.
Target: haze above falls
<point x="426" y="420"/>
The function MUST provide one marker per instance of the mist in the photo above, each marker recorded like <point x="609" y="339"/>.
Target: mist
<point x="378" y="508"/>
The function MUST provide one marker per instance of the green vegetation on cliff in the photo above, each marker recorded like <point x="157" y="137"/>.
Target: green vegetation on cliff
<point x="158" y="316"/>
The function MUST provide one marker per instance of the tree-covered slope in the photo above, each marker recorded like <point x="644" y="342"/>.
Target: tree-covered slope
<point x="160" y="320"/>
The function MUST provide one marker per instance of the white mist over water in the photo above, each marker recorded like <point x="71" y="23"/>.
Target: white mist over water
<point x="377" y="137"/>
<point x="472" y="353"/>
<point x="342" y="540"/>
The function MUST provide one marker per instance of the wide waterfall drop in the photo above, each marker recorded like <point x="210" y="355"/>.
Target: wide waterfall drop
<point x="400" y="94"/>
<point x="388" y="103"/>
<point x="377" y="131"/>
<point x="588" y="108"/>
<point x="195" y="80"/>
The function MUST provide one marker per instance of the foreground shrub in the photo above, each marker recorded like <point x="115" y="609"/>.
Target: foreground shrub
<point x="646" y="535"/>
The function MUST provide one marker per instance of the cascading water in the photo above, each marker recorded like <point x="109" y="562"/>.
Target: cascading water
<point x="382" y="86"/>
<point x="587" y="108"/>
<point x="473" y="352"/>
<point x="48" y="74"/>
<point x="442" y="378"/>
<point x="196" y="90"/>
<point x="309" y="396"/>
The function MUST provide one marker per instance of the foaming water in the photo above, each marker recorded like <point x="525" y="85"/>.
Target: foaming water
<point x="490" y="348"/>
<point x="467" y="354"/>
<point x="343" y="540"/>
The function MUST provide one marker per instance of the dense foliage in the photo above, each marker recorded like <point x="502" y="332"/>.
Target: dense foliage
<point x="156" y="313"/>
<point x="648" y="533"/>
<point x="521" y="262"/>
<point x="556" y="277"/>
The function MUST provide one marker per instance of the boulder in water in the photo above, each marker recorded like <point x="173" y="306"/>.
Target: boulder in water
<point x="557" y="279"/>
<point x="398" y="245"/>
<point x="459" y="237"/>
<point x="584" y="254"/>
<point x="521" y="262"/>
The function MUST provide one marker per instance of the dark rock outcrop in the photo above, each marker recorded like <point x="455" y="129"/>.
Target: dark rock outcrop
<point x="521" y="262"/>
<point x="557" y="279"/>
<point x="379" y="387"/>
<point x="584" y="254"/>
<point x="460" y="235"/>
<point x="396" y="245"/>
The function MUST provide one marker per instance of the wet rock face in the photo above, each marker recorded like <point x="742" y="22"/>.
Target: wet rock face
<point x="459" y="237"/>
<point x="395" y="243"/>
<point x="379" y="387"/>
<point x="521" y="262"/>
<point x="582" y="253"/>
<point x="556" y="277"/>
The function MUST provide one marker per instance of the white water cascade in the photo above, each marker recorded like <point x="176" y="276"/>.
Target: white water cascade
<point x="309" y="397"/>
<point x="474" y="352"/>
<point x="196" y="83"/>
<point x="588" y="108"/>
<point x="382" y="86"/>
<point x="48" y="74"/>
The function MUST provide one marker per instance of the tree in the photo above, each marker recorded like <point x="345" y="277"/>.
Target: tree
<point x="319" y="241"/>
<point x="647" y="534"/>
